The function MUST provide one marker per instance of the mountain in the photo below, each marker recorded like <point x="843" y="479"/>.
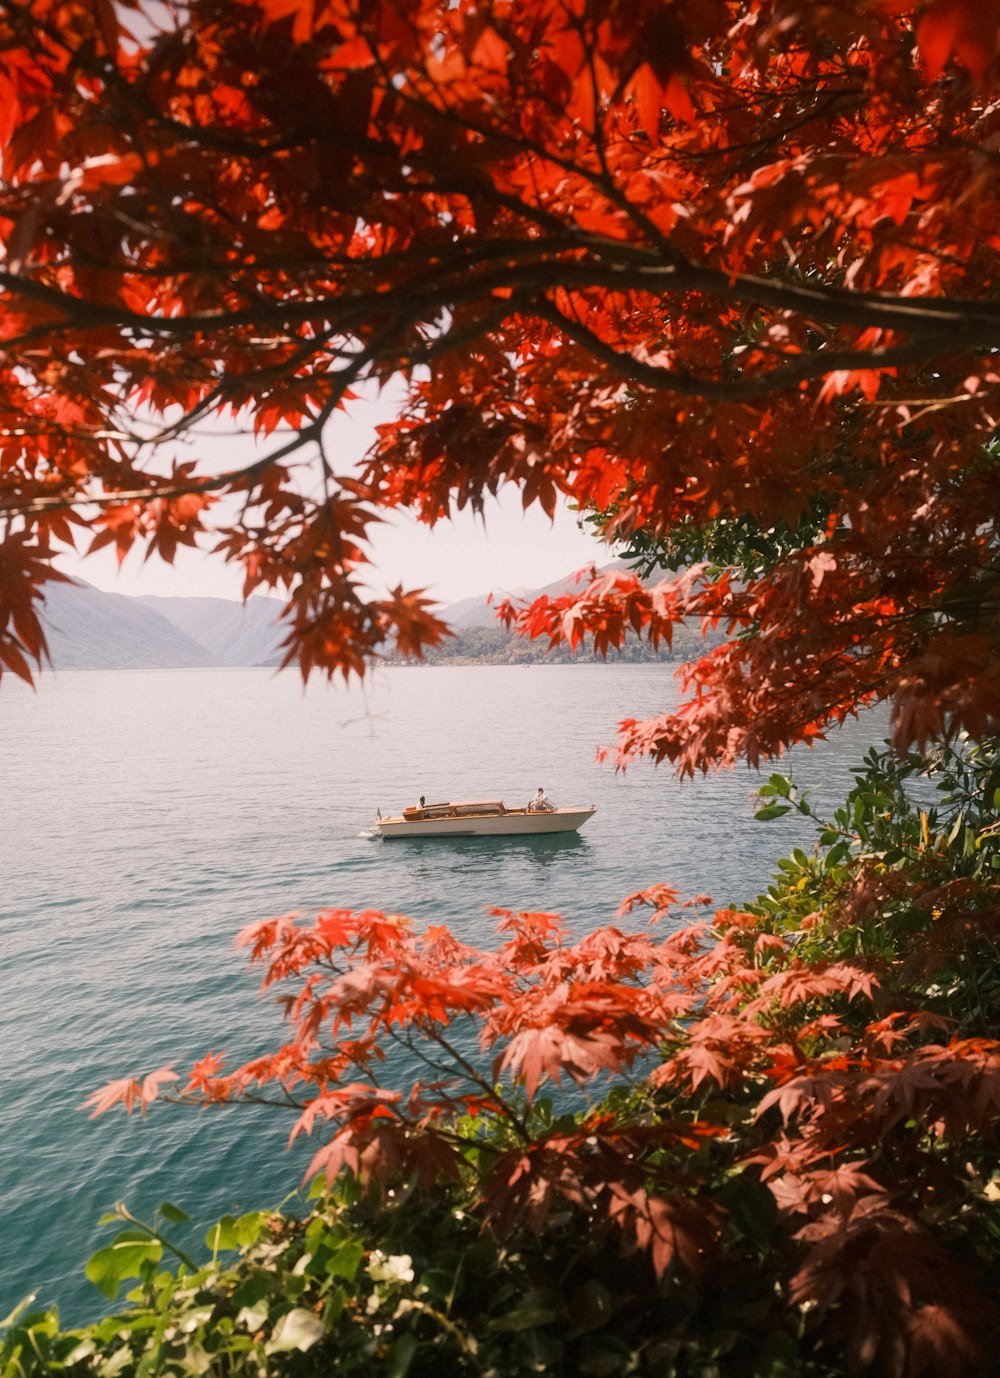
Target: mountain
<point x="480" y="639"/>
<point x="469" y="613"/>
<point x="236" y="633"/>
<point x="88" y="629"/>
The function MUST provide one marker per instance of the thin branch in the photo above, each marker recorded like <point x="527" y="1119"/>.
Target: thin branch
<point x="775" y="379"/>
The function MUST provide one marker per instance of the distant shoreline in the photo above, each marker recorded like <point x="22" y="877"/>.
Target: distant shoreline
<point x="494" y="646"/>
<point x="48" y="672"/>
<point x="464" y="662"/>
<point x="88" y="629"/>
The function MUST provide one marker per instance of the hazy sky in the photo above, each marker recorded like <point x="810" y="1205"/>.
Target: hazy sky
<point x="457" y="559"/>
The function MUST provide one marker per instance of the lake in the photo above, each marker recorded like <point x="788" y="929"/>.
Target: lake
<point x="145" y="817"/>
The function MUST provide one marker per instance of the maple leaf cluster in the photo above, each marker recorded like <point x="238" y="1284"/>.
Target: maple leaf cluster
<point x="676" y="263"/>
<point x="845" y="1168"/>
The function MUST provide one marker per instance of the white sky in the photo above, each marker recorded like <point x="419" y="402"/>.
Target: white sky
<point x="460" y="558"/>
<point x="457" y="559"/>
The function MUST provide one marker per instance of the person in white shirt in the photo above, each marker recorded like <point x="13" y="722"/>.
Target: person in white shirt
<point x="541" y="803"/>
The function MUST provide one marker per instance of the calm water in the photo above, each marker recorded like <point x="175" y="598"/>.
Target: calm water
<point x="145" y="817"/>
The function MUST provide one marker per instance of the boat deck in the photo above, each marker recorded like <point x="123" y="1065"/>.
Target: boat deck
<point x="481" y="817"/>
<point x="480" y="808"/>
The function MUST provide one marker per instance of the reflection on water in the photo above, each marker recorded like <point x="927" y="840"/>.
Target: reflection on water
<point x="472" y="854"/>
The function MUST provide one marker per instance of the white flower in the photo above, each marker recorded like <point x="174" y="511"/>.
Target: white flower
<point x="394" y="1268"/>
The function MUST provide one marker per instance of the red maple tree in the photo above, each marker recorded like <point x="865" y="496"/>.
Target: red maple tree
<point x="681" y="262"/>
<point x="676" y="261"/>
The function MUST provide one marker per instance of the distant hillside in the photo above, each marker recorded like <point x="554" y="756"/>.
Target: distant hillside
<point x="482" y="611"/>
<point x="88" y="629"/>
<point x="481" y="640"/>
<point x="236" y="633"/>
<point x="494" y="645"/>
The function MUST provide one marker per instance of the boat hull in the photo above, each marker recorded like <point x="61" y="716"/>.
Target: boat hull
<point x="518" y="824"/>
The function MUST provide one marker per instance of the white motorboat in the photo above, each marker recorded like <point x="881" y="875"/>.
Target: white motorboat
<point x="482" y="818"/>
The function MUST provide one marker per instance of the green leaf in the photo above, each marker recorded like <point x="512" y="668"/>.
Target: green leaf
<point x="334" y="1308"/>
<point x="752" y="1207"/>
<point x="235" y="1232"/>
<point x="18" y="1310"/>
<point x="591" y="1306"/>
<point x="772" y="811"/>
<point x="82" y="1351"/>
<point x="836" y="855"/>
<point x="173" y="1213"/>
<point x="345" y="1261"/>
<point x="401" y="1356"/>
<point x="536" y="1307"/>
<point x="779" y="1357"/>
<point x="222" y="1235"/>
<point x="257" y="1286"/>
<point x="124" y="1258"/>
<point x="605" y="1358"/>
<point x="319" y="1234"/>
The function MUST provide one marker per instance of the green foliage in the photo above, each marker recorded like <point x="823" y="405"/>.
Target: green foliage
<point x="730" y="542"/>
<point x="906" y="873"/>
<point x="414" y="1287"/>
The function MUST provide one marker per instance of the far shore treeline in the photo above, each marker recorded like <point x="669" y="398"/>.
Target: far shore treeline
<point x="497" y="646"/>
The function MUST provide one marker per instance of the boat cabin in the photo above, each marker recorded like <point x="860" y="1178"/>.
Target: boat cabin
<point x="491" y="808"/>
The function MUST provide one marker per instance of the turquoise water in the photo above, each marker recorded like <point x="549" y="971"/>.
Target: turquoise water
<point x="145" y="817"/>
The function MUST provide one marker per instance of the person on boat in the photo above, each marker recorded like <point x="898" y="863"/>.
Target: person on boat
<point x="541" y="803"/>
<point x="423" y="802"/>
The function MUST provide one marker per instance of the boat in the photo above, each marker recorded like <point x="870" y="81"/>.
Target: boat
<point x="482" y="818"/>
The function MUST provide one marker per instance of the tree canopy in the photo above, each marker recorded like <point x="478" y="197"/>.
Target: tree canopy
<point x="676" y="262"/>
<point x="724" y="274"/>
